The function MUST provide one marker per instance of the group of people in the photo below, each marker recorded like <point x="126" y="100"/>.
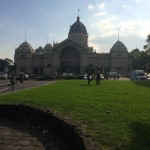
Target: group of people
<point x="90" y="77"/>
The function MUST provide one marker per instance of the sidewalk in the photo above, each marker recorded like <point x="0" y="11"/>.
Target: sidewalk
<point x="20" y="86"/>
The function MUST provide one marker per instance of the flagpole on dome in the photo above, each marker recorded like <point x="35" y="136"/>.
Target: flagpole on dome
<point x="25" y="35"/>
<point x="47" y="39"/>
<point x="78" y="18"/>
<point x="78" y="12"/>
<point x="118" y="33"/>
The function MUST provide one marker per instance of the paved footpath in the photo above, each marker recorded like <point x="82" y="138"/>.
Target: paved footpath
<point x="20" y="86"/>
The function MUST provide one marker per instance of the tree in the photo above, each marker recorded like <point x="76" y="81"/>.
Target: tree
<point x="6" y="63"/>
<point x="135" y="53"/>
<point x="9" y="61"/>
<point x="3" y="64"/>
<point x="134" y="57"/>
<point x="148" y="39"/>
<point x="141" y="59"/>
<point x="147" y="46"/>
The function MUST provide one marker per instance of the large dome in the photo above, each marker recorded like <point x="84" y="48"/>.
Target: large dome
<point x="78" y="28"/>
<point x="118" y="46"/>
<point x="48" y="46"/>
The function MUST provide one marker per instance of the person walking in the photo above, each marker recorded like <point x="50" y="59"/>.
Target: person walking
<point x="98" y="78"/>
<point x="89" y="77"/>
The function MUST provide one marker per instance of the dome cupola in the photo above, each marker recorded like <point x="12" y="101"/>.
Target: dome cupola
<point x="78" y="32"/>
<point x="78" y="28"/>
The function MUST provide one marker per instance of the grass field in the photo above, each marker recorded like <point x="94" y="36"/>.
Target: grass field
<point x="116" y="113"/>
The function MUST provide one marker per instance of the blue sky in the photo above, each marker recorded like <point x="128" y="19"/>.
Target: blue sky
<point x="50" y="20"/>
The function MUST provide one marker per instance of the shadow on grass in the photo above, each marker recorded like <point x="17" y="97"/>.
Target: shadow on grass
<point x="145" y="83"/>
<point x="84" y="85"/>
<point x="141" y="137"/>
<point x="89" y="85"/>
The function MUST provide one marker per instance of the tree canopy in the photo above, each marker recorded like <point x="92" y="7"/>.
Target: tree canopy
<point x="141" y="59"/>
<point x="5" y="63"/>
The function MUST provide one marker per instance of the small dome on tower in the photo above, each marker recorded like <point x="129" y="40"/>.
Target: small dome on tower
<point x="48" y="46"/>
<point x="118" y="46"/>
<point x="39" y="50"/>
<point x="25" y="47"/>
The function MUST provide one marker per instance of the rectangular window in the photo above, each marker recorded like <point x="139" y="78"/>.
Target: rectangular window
<point x="23" y="69"/>
<point x="35" y="70"/>
<point x="41" y="70"/>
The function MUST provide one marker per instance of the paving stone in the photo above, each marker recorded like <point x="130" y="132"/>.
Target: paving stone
<point x="18" y="136"/>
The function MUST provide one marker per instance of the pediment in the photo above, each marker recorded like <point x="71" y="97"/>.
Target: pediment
<point x="69" y="42"/>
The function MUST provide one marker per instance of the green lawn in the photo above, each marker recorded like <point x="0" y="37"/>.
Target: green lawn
<point x="116" y="113"/>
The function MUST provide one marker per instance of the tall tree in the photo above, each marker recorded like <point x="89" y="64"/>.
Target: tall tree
<point x="9" y="61"/>
<point x="3" y="64"/>
<point x="148" y="39"/>
<point x="147" y="46"/>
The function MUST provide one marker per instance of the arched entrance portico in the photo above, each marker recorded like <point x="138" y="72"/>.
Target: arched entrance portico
<point x="70" y="60"/>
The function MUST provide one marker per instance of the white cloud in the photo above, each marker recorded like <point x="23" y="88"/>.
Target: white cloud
<point x="90" y="7"/>
<point x="138" y="1"/>
<point x="132" y="33"/>
<point x="124" y="6"/>
<point x="139" y="27"/>
<point x="97" y="47"/>
<point x="65" y="29"/>
<point x="101" y="6"/>
<point x="106" y="27"/>
<point x="101" y="13"/>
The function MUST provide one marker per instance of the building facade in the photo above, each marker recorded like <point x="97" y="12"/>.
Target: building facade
<point x="72" y="55"/>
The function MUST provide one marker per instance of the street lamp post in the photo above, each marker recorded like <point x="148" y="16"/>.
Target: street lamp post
<point x="12" y="76"/>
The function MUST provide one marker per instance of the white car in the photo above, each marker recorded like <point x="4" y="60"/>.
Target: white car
<point x="85" y="76"/>
<point x="148" y="77"/>
<point x="137" y="75"/>
<point x="102" y="76"/>
<point x="23" y="75"/>
<point x="26" y="76"/>
<point x="3" y="75"/>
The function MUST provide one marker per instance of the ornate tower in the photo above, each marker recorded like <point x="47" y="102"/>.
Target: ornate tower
<point x="119" y="58"/>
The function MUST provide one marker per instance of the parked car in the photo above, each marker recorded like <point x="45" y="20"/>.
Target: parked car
<point x="26" y="77"/>
<point x="46" y="77"/>
<point x="137" y="75"/>
<point x="102" y="76"/>
<point x="23" y="76"/>
<point x="85" y="76"/>
<point x="3" y="75"/>
<point x="148" y="77"/>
